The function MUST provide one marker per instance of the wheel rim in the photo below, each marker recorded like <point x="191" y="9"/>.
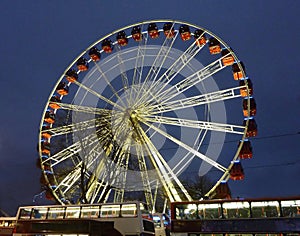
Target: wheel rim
<point x="140" y="117"/>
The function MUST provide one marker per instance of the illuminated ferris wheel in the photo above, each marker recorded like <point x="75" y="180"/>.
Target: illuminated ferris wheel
<point x="143" y="108"/>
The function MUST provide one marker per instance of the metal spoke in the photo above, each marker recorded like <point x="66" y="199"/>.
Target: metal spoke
<point x="145" y="177"/>
<point x="70" y="179"/>
<point x="181" y="122"/>
<point x="72" y="150"/>
<point x="122" y="68"/>
<point x="110" y="170"/>
<point x="167" y="77"/>
<point x="157" y="65"/>
<point x="198" y="100"/>
<point x="73" y="177"/>
<point x="191" y="80"/>
<point x="84" y="109"/>
<point x="115" y="105"/>
<point x="163" y="168"/>
<point x="139" y="63"/>
<point x="188" y="148"/>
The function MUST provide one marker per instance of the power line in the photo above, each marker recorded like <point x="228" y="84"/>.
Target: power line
<point x="266" y="137"/>
<point x="277" y="136"/>
<point x="257" y="167"/>
<point x="274" y="165"/>
<point x="236" y="141"/>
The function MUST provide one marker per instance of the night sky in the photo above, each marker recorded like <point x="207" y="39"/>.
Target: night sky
<point x="39" y="39"/>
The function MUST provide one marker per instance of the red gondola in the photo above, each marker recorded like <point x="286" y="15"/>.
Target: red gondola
<point x="45" y="157"/>
<point x="107" y="45"/>
<point x="200" y="37"/>
<point x="49" y="117"/>
<point x="38" y="163"/>
<point x="244" y="91"/>
<point x="45" y="147"/>
<point x="185" y="32"/>
<point x="49" y="195"/>
<point x="62" y="89"/>
<point x="94" y="54"/>
<point x="43" y="180"/>
<point x="45" y="133"/>
<point x="169" y="30"/>
<point x="222" y="191"/>
<point x="236" y="171"/>
<point x="46" y="167"/>
<point x="153" y="31"/>
<point x="82" y="64"/>
<point x="136" y="33"/>
<point x="214" y="46"/>
<point x="237" y="70"/>
<point x="251" y="106"/>
<point x="252" y="127"/>
<point x="122" y="39"/>
<point x="54" y="100"/>
<point x="246" y="150"/>
<point x="51" y="179"/>
<point x="71" y="75"/>
<point x="47" y="180"/>
<point x="228" y="60"/>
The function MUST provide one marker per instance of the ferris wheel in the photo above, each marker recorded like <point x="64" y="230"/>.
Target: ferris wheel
<point x="143" y="108"/>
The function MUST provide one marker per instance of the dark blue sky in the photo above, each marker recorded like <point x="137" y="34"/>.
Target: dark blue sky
<point x="40" y="38"/>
